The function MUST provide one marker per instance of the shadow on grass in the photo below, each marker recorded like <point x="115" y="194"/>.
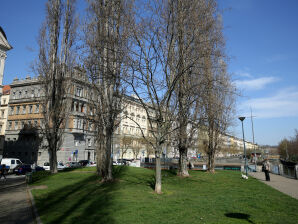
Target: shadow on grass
<point x="85" y="201"/>
<point x="40" y="176"/>
<point x="239" y="216"/>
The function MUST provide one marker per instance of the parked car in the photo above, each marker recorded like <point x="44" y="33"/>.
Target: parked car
<point x="11" y="162"/>
<point x="91" y="164"/>
<point x="83" y="162"/>
<point x="22" y="169"/>
<point x="46" y="166"/>
<point x="60" y="166"/>
<point x="72" y="165"/>
<point x="39" y="168"/>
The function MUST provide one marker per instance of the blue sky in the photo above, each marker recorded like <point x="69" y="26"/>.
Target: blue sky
<point x="262" y="42"/>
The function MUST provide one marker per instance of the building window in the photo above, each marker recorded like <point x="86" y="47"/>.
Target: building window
<point x="35" y="123"/>
<point x="29" y="123"/>
<point x="26" y="93"/>
<point x="13" y="95"/>
<point x="79" y="91"/>
<point x="20" y="94"/>
<point x="22" y="124"/>
<point x="24" y="109"/>
<point x="16" y="125"/>
<point x="11" y="110"/>
<point x="37" y="108"/>
<point x="89" y="141"/>
<point x="4" y="101"/>
<point x="18" y="110"/>
<point x="32" y="93"/>
<point x="2" y="113"/>
<point x="9" y="125"/>
<point x="30" y="109"/>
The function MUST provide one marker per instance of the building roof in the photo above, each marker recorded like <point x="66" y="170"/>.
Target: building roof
<point x="3" y="40"/>
<point x="3" y="33"/>
<point x="6" y="90"/>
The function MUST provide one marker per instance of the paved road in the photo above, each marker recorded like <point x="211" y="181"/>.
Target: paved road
<point x="283" y="184"/>
<point x="15" y="204"/>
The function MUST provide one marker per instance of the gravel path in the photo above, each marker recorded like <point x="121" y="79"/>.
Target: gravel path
<point x="283" y="184"/>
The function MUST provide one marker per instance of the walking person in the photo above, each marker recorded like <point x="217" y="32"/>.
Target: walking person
<point x="2" y="170"/>
<point x="266" y="166"/>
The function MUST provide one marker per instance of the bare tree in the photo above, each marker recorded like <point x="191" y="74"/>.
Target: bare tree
<point x="151" y="79"/>
<point x="125" y="144"/>
<point x="218" y="105"/>
<point x="189" y="24"/>
<point x="138" y="144"/>
<point x="288" y="148"/>
<point x="53" y="67"/>
<point x="106" y="43"/>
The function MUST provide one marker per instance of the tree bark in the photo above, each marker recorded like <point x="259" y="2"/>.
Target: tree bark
<point x="157" y="172"/>
<point x="183" y="170"/>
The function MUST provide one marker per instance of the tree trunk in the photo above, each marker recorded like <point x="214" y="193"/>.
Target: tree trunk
<point x="157" y="172"/>
<point x="211" y="161"/>
<point x="183" y="171"/>
<point x="53" y="160"/>
<point x="109" y="165"/>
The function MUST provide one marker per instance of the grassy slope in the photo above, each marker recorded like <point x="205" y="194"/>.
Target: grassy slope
<point x="78" y="197"/>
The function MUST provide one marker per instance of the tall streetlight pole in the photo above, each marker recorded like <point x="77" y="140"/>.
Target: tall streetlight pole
<point x="245" y="164"/>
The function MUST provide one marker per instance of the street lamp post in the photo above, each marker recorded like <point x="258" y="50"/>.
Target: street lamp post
<point x="245" y="164"/>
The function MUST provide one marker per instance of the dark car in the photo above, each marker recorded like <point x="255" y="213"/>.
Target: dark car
<point x="22" y="169"/>
<point x="39" y="168"/>
<point x="83" y="162"/>
<point x="72" y="165"/>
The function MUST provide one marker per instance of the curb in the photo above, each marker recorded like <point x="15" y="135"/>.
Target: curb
<point x="33" y="206"/>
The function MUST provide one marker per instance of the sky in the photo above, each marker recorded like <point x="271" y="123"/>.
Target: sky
<point x="261" y="42"/>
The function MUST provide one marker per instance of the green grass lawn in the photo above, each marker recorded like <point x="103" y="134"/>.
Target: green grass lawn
<point x="79" y="197"/>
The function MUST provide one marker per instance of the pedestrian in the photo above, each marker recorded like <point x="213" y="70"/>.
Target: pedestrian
<point x="266" y="166"/>
<point x="3" y="172"/>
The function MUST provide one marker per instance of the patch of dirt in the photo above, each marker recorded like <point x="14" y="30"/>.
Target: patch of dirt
<point x="39" y="187"/>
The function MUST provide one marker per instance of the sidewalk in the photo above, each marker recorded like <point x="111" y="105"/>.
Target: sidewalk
<point x="283" y="184"/>
<point x="15" y="202"/>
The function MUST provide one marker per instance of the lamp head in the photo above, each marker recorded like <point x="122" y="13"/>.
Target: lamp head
<point x="241" y="118"/>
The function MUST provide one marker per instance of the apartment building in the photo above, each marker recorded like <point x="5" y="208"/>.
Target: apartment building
<point x="4" y="47"/>
<point x="3" y="115"/>
<point x="23" y="138"/>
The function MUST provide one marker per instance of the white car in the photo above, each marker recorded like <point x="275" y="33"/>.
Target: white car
<point x="60" y="166"/>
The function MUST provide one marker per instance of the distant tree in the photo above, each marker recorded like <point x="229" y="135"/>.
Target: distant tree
<point x="288" y="149"/>
<point x="137" y="146"/>
<point x="54" y="64"/>
<point x="125" y="144"/>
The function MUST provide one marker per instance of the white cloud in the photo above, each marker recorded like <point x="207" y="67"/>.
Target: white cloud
<point x="255" y="84"/>
<point x="244" y="74"/>
<point x="283" y="104"/>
